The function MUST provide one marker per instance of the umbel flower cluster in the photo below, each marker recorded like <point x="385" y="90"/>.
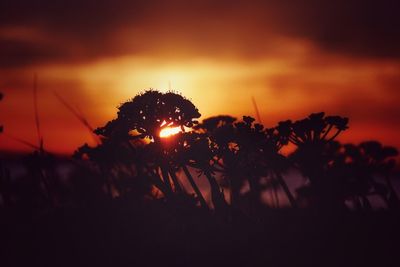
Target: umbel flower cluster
<point x="227" y="164"/>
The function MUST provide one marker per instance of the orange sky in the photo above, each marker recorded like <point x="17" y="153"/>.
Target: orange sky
<point x="294" y="59"/>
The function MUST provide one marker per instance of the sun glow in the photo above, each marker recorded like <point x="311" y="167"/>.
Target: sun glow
<point x="169" y="131"/>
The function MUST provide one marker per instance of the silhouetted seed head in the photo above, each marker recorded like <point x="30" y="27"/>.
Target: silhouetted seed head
<point x="258" y="127"/>
<point x="389" y="151"/>
<point x="212" y="123"/>
<point x="113" y="129"/>
<point x="148" y="112"/>
<point x="352" y="151"/>
<point x="301" y="127"/>
<point x="284" y="128"/>
<point x="82" y="151"/>
<point x="372" y="148"/>
<point x="270" y="131"/>
<point x="341" y="123"/>
<point x="223" y="135"/>
<point x="240" y="125"/>
<point x="316" y="116"/>
<point x="377" y="151"/>
<point x="248" y="120"/>
<point x="317" y="122"/>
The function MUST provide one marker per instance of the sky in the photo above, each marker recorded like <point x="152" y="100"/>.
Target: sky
<point x="292" y="57"/>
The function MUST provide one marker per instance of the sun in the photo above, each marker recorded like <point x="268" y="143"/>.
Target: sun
<point x="169" y="131"/>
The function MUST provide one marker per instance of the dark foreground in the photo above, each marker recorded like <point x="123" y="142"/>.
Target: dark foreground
<point x="155" y="234"/>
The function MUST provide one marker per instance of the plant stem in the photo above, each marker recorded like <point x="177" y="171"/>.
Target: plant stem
<point x="196" y="189"/>
<point x="285" y="188"/>
<point x="175" y="179"/>
<point x="217" y="196"/>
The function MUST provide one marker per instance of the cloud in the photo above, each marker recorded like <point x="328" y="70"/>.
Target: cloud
<point x="15" y="53"/>
<point x="85" y="30"/>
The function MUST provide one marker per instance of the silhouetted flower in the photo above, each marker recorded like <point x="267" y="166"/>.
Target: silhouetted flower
<point x="149" y="112"/>
<point x="339" y="122"/>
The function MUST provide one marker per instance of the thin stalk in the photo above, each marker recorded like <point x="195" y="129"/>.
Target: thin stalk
<point x="285" y="188"/>
<point x="335" y="135"/>
<point x="165" y="177"/>
<point x="175" y="179"/>
<point x="217" y="196"/>
<point x="196" y="189"/>
<point x="36" y="112"/>
<point x="157" y="181"/>
<point x="327" y="131"/>
<point x="79" y="116"/>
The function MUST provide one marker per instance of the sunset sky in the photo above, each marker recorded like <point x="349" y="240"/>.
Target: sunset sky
<point x="293" y="57"/>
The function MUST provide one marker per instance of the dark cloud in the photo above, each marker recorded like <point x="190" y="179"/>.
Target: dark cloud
<point x="365" y="28"/>
<point x="15" y="53"/>
<point x="82" y="30"/>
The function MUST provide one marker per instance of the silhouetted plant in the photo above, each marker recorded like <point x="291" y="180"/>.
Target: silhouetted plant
<point x="249" y="139"/>
<point x="176" y="150"/>
<point x="133" y="161"/>
<point x="246" y="152"/>
<point x="120" y="165"/>
<point x="277" y="163"/>
<point x="259" y="149"/>
<point x="201" y="157"/>
<point x="39" y="188"/>
<point x="370" y="162"/>
<point x="129" y="188"/>
<point x="220" y="132"/>
<point x="143" y="118"/>
<point x="313" y="136"/>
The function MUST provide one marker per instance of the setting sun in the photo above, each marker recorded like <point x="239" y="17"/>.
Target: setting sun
<point x="168" y="131"/>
